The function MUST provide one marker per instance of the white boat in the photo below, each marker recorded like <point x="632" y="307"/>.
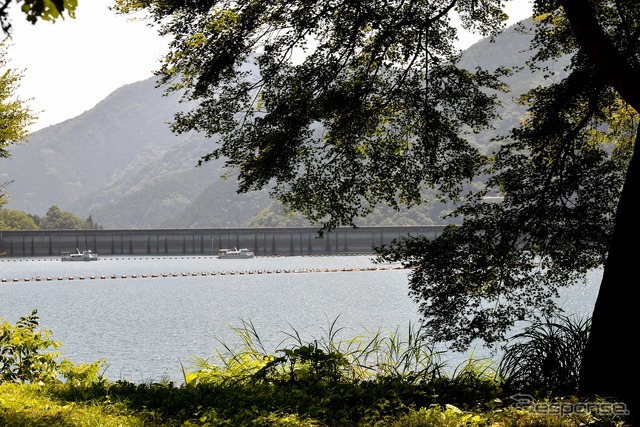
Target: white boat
<point x="86" y="255"/>
<point x="235" y="253"/>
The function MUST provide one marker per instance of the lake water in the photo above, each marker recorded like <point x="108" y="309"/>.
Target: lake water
<point x="148" y="315"/>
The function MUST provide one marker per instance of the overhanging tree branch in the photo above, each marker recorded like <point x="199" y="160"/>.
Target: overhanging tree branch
<point x="622" y="76"/>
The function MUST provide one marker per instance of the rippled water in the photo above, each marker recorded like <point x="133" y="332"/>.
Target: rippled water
<point x="147" y="315"/>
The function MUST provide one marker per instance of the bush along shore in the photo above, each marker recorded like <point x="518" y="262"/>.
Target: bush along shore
<point x="386" y="379"/>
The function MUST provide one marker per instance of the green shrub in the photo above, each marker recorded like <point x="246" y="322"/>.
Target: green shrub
<point x="28" y="355"/>
<point x="381" y="381"/>
<point x="546" y="356"/>
<point x="25" y="352"/>
<point x="329" y="359"/>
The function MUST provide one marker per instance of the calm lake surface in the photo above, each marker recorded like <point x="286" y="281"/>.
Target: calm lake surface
<point x="148" y="315"/>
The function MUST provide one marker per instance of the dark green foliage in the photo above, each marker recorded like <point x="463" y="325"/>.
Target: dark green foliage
<point x="24" y="354"/>
<point x="57" y="219"/>
<point x="381" y="112"/>
<point x="373" y="113"/>
<point x="378" y="110"/>
<point x="559" y="178"/>
<point x="384" y="380"/>
<point x="11" y="219"/>
<point x="120" y="163"/>
<point x="546" y="356"/>
<point x="28" y="355"/>
<point x="54" y="219"/>
<point x="327" y="381"/>
<point x="312" y="385"/>
<point x="307" y="363"/>
<point x="47" y="10"/>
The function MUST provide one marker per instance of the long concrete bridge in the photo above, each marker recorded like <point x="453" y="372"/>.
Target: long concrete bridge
<point x="263" y="241"/>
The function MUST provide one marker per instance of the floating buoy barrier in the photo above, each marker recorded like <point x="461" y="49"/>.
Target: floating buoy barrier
<point x="216" y="273"/>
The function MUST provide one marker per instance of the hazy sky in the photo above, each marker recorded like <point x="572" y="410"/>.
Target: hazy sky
<point x="73" y="64"/>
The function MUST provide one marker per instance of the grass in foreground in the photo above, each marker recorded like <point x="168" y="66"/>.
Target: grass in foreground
<point x="132" y="405"/>
<point x="382" y="380"/>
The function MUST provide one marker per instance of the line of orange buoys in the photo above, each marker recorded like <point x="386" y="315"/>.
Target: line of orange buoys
<point x="203" y="273"/>
<point x="199" y="273"/>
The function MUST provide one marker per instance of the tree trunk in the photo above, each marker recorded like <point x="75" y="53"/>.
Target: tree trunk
<point x="611" y="363"/>
<point x="613" y="65"/>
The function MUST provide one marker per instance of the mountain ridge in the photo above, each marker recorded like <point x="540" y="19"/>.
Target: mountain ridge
<point x="120" y="164"/>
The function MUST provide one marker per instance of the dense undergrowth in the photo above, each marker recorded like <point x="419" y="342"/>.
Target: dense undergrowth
<point x="379" y="380"/>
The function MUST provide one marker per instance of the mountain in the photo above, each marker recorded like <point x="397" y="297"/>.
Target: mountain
<point x="120" y="163"/>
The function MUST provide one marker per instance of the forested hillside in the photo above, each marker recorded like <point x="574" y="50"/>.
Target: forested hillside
<point x="119" y="164"/>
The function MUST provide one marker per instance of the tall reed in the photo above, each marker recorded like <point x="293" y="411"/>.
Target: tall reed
<point x="546" y="355"/>
<point x="409" y="357"/>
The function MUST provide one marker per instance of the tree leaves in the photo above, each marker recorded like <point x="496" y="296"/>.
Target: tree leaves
<point x="338" y="108"/>
<point x="47" y="10"/>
